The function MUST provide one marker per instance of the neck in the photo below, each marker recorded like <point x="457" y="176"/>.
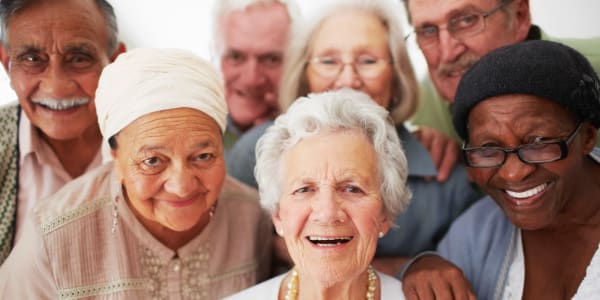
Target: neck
<point x="310" y="287"/>
<point x="75" y="155"/>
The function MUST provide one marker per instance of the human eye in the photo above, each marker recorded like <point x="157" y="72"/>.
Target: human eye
<point x="235" y="57"/>
<point x="271" y="60"/>
<point x="427" y="32"/>
<point x="151" y="162"/>
<point x="31" y="61"/>
<point x="80" y="60"/>
<point x="327" y="60"/>
<point x="464" y="22"/>
<point x="366" y="60"/>
<point x="352" y="189"/>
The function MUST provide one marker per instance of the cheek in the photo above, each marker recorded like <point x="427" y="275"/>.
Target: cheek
<point x="88" y="82"/>
<point x="229" y="72"/>
<point x="293" y="218"/>
<point x="480" y="176"/>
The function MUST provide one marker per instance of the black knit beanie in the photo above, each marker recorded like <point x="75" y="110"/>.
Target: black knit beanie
<point x="541" y="68"/>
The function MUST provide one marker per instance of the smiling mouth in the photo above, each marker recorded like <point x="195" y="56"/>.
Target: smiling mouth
<point x="528" y="193"/>
<point x="329" y="241"/>
<point x="60" y="105"/>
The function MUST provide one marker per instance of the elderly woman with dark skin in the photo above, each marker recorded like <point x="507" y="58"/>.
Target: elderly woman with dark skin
<point x="333" y="173"/>
<point x="162" y="220"/>
<point x="529" y="115"/>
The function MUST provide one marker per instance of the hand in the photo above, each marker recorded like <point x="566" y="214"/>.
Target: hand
<point x="443" y="150"/>
<point x="389" y="265"/>
<point x="432" y="277"/>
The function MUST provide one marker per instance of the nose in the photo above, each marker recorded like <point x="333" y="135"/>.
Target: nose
<point x="515" y="170"/>
<point x="252" y="73"/>
<point x="56" y="82"/>
<point x="326" y="208"/>
<point x="348" y="78"/>
<point x="181" y="181"/>
<point x="450" y="47"/>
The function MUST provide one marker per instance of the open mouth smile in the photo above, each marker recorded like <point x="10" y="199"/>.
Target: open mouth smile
<point x="60" y="105"/>
<point x="329" y="241"/>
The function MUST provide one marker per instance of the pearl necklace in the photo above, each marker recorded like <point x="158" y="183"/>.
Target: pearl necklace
<point x="292" y="286"/>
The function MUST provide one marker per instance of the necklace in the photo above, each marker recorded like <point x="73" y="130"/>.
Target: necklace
<point x="292" y="286"/>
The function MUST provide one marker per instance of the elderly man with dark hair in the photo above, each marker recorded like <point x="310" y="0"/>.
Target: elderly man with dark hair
<point x="53" y="52"/>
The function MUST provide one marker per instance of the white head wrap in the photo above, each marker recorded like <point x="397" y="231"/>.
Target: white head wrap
<point x="143" y="81"/>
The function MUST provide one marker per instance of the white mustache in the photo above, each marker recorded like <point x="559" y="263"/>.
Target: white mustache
<point x="61" y="104"/>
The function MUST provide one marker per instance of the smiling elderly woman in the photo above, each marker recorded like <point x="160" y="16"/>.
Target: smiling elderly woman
<point x="333" y="173"/>
<point x="163" y="220"/>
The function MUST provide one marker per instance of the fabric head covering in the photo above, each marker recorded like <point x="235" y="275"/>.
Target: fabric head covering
<point x="540" y="68"/>
<point x="143" y="81"/>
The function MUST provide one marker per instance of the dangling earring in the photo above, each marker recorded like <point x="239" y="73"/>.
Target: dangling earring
<point x="114" y="215"/>
<point x="211" y="212"/>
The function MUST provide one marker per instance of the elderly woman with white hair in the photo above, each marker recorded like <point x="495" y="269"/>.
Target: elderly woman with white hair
<point x="333" y="173"/>
<point x="162" y="220"/>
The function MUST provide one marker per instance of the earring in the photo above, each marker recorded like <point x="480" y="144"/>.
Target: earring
<point x="280" y="232"/>
<point x="211" y="212"/>
<point x="114" y="215"/>
<point x="381" y="234"/>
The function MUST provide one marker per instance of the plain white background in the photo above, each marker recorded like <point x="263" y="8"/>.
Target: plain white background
<point x="187" y="24"/>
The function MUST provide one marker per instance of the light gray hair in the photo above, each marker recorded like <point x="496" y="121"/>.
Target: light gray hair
<point x="330" y="111"/>
<point x="294" y="83"/>
<point x="222" y="7"/>
<point x="9" y="8"/>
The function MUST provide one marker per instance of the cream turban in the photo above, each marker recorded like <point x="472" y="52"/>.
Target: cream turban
<point x="143" y="81"/>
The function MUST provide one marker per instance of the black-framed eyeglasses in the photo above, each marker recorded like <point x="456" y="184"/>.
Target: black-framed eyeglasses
<point x="538" y="152"/>
<point x="366" y="66"/>
<point x="461" y="27"/>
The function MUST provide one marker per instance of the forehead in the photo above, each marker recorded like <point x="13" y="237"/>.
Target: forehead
<point x="518" y="111"/>
<point x="349" y="29"/>
<point x="436" y="11"/>
<point x="332" y="152"/>
<point x="260" y="27"/>
<point x="76" y="21"/>
<point x="168" y="125"/>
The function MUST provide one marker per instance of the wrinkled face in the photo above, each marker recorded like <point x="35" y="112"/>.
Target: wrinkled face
<point x="352" y="35"/>
<point x="254" y="41"/>
<point x="57" y="51"/>
<point x="532" y="195"/>
<point x="331" y="211"/>
<point x="171" y="166"/>
<point x="450" y="58"/>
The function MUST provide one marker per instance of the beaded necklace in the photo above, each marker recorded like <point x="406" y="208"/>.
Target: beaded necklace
<point x="292" y="286"/>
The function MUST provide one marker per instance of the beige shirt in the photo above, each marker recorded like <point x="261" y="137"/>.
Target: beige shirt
<point x="40" y="172"/>
<point x="69" y="250"/>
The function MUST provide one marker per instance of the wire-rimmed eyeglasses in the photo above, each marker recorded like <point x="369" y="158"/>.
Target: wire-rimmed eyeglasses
<point x="366" y="66"/>
<point x="461" y="27"/>
<point x="538" y="152"/>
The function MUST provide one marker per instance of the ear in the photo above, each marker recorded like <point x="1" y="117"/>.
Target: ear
<point x="277" y="223"/>
<point x="120" y="49"/>
<point x="590" y="136"/>
<point x="522" y="19"/>
<point x="386" y="224"/>
<point x="118" y="171"/>
<point x="4" y="57"/>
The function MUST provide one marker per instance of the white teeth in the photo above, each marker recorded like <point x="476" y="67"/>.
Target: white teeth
<point x="317" y="238"/>
<point x="63" y="104"/>
<point x="528" y="193"/>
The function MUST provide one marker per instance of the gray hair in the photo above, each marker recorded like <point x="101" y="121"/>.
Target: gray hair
<point x="223" y="7"/>
<point x="9" y="8"/>
<point x="325" y="112"/>
<point x="294" y="83"/>
<point x="505" y="8"/>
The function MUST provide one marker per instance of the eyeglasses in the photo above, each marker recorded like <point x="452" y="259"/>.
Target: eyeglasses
<point x="460" y="27"/>
<point x="366" y="66"/>
<point x="539" y="152"/>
